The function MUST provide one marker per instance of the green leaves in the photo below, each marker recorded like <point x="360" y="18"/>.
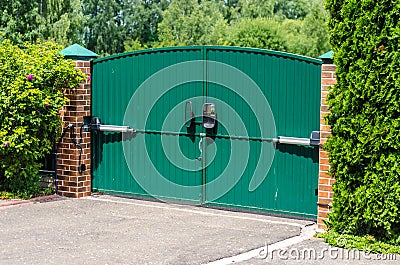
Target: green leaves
<point x="365" y="118"/>
<point x="108" y="27"/>
<point x="27" y="20"/>
<point x="31" y="84"/>
<point x="291" y="26"/>
<point x="185" y="22"/>
<point x="366" y="243"/>
<point x="257" y="33"/>
<point x="104" y="32"/>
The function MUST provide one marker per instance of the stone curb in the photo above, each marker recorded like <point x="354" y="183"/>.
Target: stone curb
<point x="33" y="200"/>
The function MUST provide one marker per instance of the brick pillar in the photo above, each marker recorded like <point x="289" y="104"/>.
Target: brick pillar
<point x="325" y="182"/>
<point x="71" y="183"/>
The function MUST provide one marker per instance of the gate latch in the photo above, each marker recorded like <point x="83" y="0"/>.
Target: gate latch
<point x="209" y="115"/>
<point x="94" y="124"/>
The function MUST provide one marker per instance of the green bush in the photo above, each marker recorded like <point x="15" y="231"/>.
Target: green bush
<point x="364" y="150"/>
<point x="257" y="33"/>
<point x="365" y="243"/>
<point x="32" y="81"/>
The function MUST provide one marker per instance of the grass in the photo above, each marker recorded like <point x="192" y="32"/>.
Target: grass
<point x="6" y="195"/>
<point x="364" y="243"/>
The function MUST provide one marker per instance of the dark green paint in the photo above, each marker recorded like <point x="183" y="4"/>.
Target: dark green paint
<point x="291" y="83"/>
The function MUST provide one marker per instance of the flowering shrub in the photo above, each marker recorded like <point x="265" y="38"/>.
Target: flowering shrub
<point x="32" y="81"/>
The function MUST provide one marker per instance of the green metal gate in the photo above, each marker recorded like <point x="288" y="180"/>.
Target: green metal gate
<point x="257" y="95"/>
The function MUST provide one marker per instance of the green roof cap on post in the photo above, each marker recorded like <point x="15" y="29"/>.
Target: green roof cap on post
<point x="327" y="58"/>
<point x="77" y="52"/>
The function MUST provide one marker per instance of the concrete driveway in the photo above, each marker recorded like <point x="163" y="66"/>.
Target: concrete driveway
<point x="113" y="230"/>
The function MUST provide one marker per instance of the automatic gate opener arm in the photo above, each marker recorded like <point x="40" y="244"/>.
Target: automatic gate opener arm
<point x="116" y="128"/>
<point x="314" y="140"/>
<point x="94" y="124"/>
<point x="293" y="140"/>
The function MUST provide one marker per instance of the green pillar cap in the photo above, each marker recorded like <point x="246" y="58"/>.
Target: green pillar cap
<point x="327" y="58"/>
<point x="77" y="52"/>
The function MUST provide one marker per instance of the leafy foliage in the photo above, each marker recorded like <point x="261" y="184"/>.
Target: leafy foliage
<point x="248" y="23"/>
<point x="19" y="20"/>
<point x="365" y="118"/>
<point x="257" y="33"/>
<point x="26" y="20"/>
<point x="108" y="26"/>
<point x="32" y="81"/>
<point x="307" y="36"/>
<point x="255" y="9"/>
<point x="141" y="20"/>
<point x="292" y="9"/>
<point x="62" y="21"/>
<point x="185" y="22"/>
<point x="104" y="32"/>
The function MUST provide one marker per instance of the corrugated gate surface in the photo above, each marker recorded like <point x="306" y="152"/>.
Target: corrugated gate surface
<point x="257" y="96"/>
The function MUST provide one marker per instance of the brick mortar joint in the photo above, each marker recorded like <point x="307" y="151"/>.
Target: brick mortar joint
<point x="328" y="79"/>
<point x="72" y="113"/>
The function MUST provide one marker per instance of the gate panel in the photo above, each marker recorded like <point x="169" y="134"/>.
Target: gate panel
<point x="291" y="87"/>
<point x="259" y="95"/>
<point x="116" y="80"/>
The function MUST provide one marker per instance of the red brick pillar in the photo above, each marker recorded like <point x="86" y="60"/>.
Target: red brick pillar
<point x="325" y="194"/>
<point x="71" y="182"/>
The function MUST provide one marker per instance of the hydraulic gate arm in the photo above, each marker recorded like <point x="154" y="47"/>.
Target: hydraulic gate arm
<point x="314" y="140"/>
<point x="94" y="124"/>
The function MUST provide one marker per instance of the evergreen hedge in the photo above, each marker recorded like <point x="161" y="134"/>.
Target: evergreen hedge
<point x="364" y="150"/>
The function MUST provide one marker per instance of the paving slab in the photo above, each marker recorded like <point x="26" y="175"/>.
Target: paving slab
<point x="113" y="230"/>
